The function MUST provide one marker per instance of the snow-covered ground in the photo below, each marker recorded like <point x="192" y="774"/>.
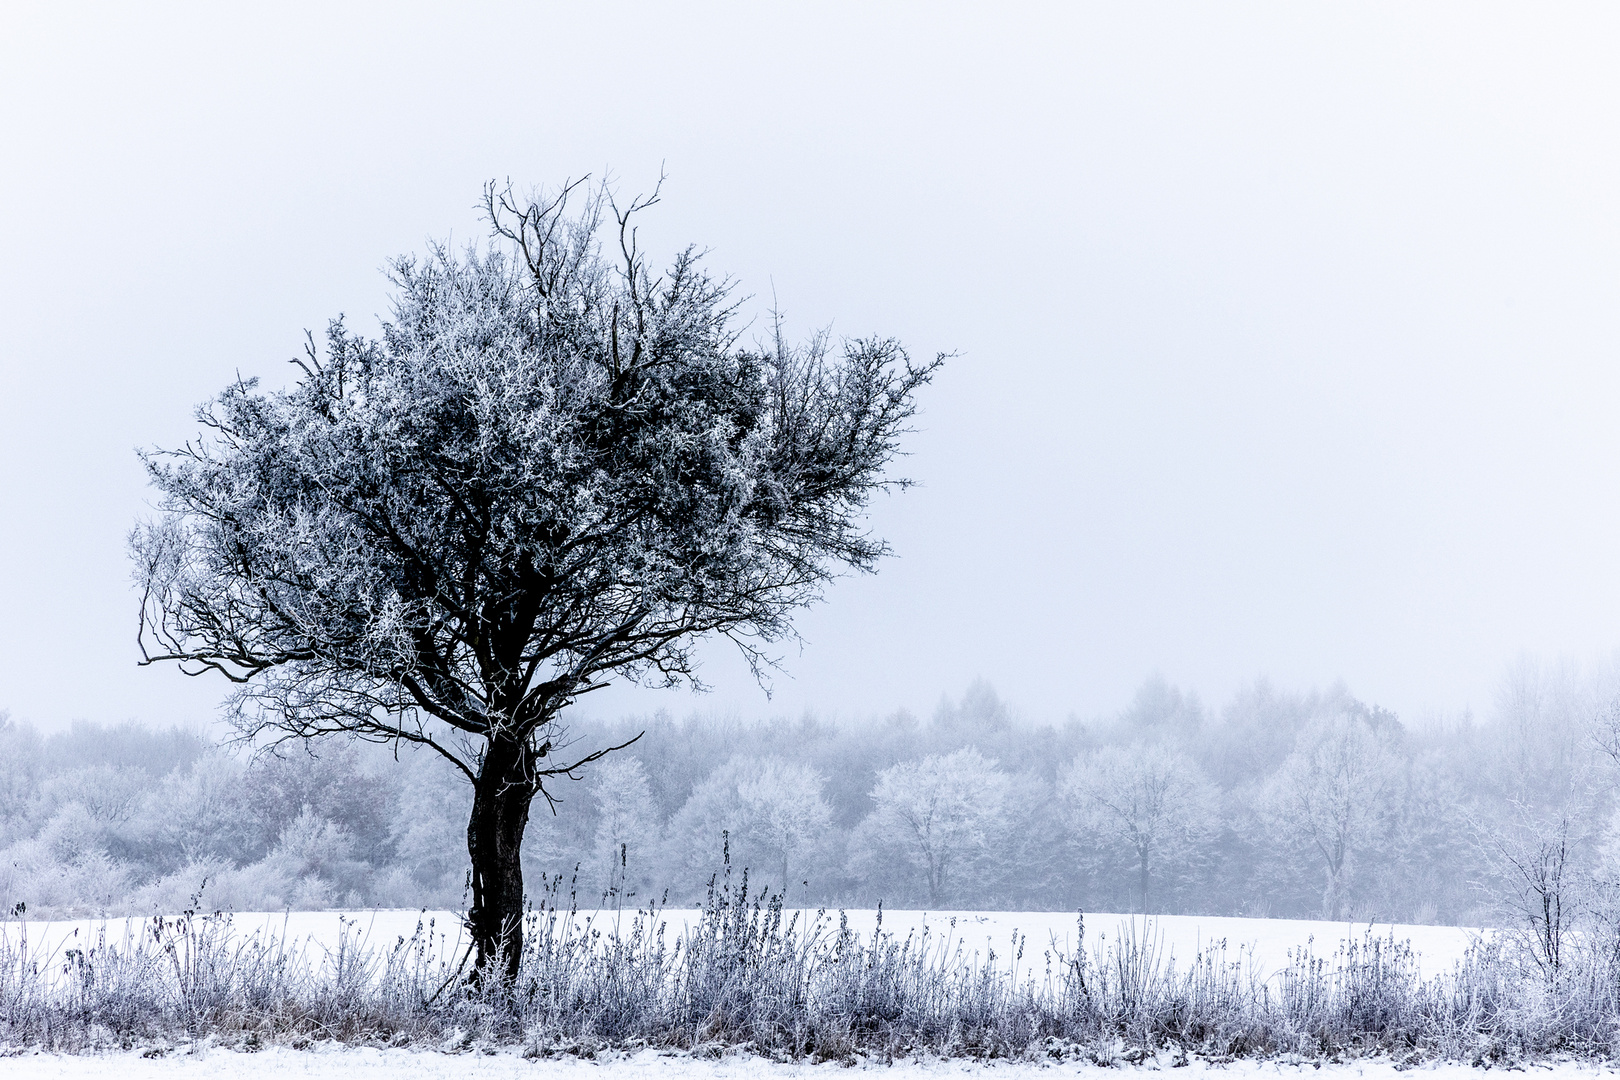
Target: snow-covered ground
<point x="370" y="1064"/>
<point x="1265" y="943"/>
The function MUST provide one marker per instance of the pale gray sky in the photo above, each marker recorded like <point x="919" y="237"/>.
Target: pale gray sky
<point x="1287" y="332"/>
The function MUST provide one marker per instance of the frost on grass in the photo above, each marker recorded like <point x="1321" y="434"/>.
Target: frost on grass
<point x="751" y="976"/>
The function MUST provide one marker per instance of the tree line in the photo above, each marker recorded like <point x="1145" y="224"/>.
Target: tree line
<point x="1277" y="804"/>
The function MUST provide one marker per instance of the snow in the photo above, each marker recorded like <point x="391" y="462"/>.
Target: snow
<point x="1263" y="943"/>
<point x="336" y="1063"/>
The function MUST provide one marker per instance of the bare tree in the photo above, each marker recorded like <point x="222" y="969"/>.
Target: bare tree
<point x="1603" y="732"/>
<point x="943" y="813"/>
<point x="1330" y="793"/>
<point x="772" y="813"/>
<point x="625" y="820"/>
<point x="553" y="468"/>
<point x="1149" y="800"/>
<point x="788" y="816"/>
<point x="1544" y="720"/>
<point x="1534" y="859"/>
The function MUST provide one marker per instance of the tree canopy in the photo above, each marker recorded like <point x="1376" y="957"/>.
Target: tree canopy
<point x="554" y="467"/>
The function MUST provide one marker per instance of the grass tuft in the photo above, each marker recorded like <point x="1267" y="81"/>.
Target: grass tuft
<point x="754" y="977"/>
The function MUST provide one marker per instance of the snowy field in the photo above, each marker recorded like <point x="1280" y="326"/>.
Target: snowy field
<point x="975" y="936"/>
<point x="371" y="1064"/>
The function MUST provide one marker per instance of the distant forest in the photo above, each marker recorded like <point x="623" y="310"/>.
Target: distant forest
<point x="1276" y="804"/>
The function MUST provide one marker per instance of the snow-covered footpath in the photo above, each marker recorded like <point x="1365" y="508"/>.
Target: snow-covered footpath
<point x="372" y="1064"/>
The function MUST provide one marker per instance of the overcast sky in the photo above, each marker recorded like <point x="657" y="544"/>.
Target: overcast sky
<point x="1286" y="334"/>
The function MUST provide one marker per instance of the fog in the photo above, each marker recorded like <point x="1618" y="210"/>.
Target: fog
<point x="1274" y="803"/>
<point x="1284" y="337"/>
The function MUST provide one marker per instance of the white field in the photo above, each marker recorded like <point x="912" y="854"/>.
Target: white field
<point x="332" y="1063"/>
<point x="974" y="936"/>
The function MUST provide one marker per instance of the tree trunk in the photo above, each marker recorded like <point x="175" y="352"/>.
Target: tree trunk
<point x="1142" y="870"/>
<point x="1333" y="895"/>
<point x="501" y="798"/>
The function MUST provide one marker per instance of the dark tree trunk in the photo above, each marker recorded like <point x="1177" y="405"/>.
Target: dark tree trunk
<point x="501" y="797"/>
